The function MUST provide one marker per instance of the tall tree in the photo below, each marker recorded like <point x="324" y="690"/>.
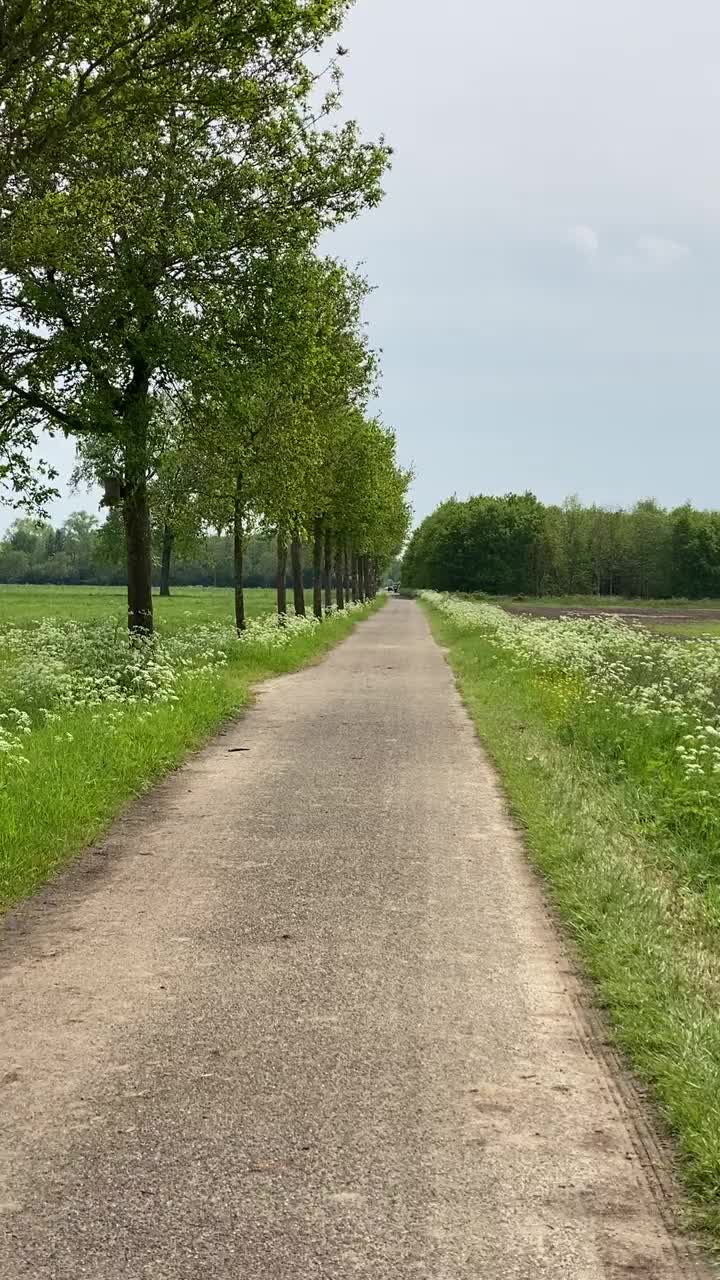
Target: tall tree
<point x="274" y="383"/>
<point x="119" y="249"/>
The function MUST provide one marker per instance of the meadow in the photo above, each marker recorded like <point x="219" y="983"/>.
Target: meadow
<point x="186" y="606"/>
<point x="90" y="717"/>
<point x="606" y="737"/>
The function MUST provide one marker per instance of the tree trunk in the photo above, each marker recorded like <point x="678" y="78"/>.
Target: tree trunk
<point x="296" y="560"/>
<point x="136" y="518"/>
<point x="362" y="567"/>
<point x="355" y="578"/>
<point x="339" y="558"/>
<point x="318" y="543"/>
<point x="346" y="573"/>
<point x="238" y="549"/>
<point x="328" y="569"/>
<point x="167" y="550"/>
<point x="281" y="573"/>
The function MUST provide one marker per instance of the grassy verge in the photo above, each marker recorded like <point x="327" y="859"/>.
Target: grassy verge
<point x="82" y="770"/>
<point x="641" y="901"/>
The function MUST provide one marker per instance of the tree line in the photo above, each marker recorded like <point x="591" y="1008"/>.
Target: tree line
<point x="167" y="171"/>
<point x="83" y="552"/>
<point x="515" y="545"/>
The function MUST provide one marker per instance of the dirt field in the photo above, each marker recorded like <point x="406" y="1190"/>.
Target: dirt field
<point x="621" y="611"/>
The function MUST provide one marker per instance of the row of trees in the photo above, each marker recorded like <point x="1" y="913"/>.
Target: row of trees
<point x="83" y="552"/>
<point x="516" y="546"/>
<point x="167" y="169"/>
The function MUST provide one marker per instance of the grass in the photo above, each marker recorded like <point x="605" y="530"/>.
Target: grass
<point x="610" y="602"/>
<point x="640" y="898"/>
<point x="686" y="630"/>
<point x="83" y="769"/>
<point x="186" y="607"/>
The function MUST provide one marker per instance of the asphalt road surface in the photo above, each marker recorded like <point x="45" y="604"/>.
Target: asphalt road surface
<point x="305" y="1014"/>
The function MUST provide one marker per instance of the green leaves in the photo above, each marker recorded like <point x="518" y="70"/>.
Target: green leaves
<point x="157" y="151"/>
<point x="166" y="171"/>
<point x="25" y="484"/>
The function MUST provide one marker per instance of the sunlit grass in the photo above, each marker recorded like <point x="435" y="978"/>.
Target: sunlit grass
<point x="185" y="607"/>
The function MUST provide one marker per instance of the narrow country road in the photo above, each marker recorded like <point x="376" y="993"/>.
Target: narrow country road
<point x="305" y="1014"/>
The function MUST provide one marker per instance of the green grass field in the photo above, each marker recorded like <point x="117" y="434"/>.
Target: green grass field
<point x="704" y="627"/>
<point x="630" y="861"/>
<point x="187" y="606"/>
<point x="89" y="720"/>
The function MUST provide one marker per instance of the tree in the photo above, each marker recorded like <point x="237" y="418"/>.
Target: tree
<point x="485" y="544"/>
<point x="605" y="548"/>
<point x="648" y="542"/>
<point x="122" y="247"/>
<point x="79" y="539"/>
<point x="71" y="67"/>
<point x="172" y="481"/>
<point x="695" y="543"/>
<point x="574" y="554"/>
<point x="369" y="513"/>
<point x="271" y="394"/>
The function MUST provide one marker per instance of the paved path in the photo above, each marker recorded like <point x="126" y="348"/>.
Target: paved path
<point x="305" y="1015"/>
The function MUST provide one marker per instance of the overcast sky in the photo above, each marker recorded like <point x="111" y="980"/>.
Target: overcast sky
<point x="547" y="260"/>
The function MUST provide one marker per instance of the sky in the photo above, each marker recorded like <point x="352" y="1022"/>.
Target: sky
<point x="547" y="258"/>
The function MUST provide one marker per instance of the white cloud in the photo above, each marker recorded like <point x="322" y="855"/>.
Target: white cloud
<point x="584" y="239"/>
<point x="658" y="253"/>
<point x="648" y="253"/>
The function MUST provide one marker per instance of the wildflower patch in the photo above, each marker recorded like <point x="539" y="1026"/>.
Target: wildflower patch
<point x="55" y="666"/>
<point x="648" y="704"/>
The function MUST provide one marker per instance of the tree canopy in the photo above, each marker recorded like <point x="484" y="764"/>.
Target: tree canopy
<point x="515" y="545"/>
<point x="167" y="168"/>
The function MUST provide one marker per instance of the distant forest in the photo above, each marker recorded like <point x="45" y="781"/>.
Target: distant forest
<point x="84" y="552"/>
<point x="516" y="546"/>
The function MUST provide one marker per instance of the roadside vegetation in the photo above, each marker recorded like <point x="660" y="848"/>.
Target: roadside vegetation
<point x="607" y="739"/>
<point x="90" y="716"/>
<point x="167" y="179"/>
